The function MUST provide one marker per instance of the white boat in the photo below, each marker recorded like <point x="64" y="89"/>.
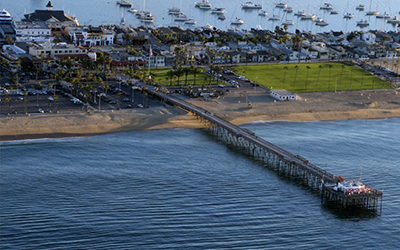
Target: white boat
<point x="221" y="17"/>
<point x="326" y="6"/>
<point x="348" y="16"/>
<point x="372" y="13"/>
<point x="237" y="22"/>
<point x="274" y="18"/>
<point x="262" y="13"/>
<point x="204" y="5"/>
<point x="334" y="12"/>
<point x="190" y="21"/>
<point x="363" y="23"/>
<point x="132" y="10"/>
<point x="181" y="18"/>
<point x="218" y="11"/>
<point x="394" y="20"/>
<point x="383" y="16"/>
<point x="321" y="22"/>
<point x="5" y="17"/>
<point x="308" y="17"/>
<point x="360" y="7"/>
<point x="124" y="3"/>
<point x="300" y="13"/>
<point x="288" y="10"/>
<point x="281" y="5"/>
<point x="251" y="5"/>
<point x="174" y="11"/>
<point x="208" y="27"/>
<point x="288" y="22"/>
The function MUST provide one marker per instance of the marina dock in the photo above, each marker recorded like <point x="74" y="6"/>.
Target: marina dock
<point x="283" y="162"/>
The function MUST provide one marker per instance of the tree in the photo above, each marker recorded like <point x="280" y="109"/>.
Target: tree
<point x="186" y="71"/>
<point x="218" y="70"/>
<point x="320" y="68"/>
<point x="295" y="76"/>
<point x="195" y="70"/>
<point x="171" y="75"/>
<point x="178" y="72"/>
<point x="284" y="76"/>
<point x="329" y="81"/>
<point x="308" y="67"/>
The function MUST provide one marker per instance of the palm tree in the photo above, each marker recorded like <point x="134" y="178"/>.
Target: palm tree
<point x="320" y="68"/>
<point x="218" y="70"/>
<point x="295" y="76"/>
<point x="171" y="74"/>
<point x="284" y="76"/>
<point x="195" y="70"/>
<point x="186" y="71"/>
<point x="330" y="71"/>
<point x="178" y="72"/>
<point x="308" y="67"/>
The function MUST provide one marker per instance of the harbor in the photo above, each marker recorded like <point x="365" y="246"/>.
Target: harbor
<point x="349" y="14"/>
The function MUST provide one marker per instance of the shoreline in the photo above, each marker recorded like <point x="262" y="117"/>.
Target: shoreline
<point x="317" y="106"/>
<point x="170" y="118"/>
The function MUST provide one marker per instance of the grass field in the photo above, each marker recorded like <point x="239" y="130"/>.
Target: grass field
<point x="314" y="79"/>
<point x="162" y="76"/>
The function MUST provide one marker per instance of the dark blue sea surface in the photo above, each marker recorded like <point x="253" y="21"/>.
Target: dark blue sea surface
<point x="183" y="189"/>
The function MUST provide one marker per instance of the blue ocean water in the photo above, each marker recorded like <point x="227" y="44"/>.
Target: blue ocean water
<point x="96" y="12"/>
<point x="183" y="189"/>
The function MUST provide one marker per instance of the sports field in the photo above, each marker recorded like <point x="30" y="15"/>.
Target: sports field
<point x="312" y="77"/>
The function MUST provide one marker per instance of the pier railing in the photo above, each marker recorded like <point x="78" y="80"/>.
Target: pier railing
<point x="292" y="165"/>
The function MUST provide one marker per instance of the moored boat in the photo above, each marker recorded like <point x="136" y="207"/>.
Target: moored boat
<point x="274" y="18"/>
<point x="360" y="7"/>
<point x="237" y="22"/>
<point x="132" y="10"/>
<point x="363" y="23"/>
<point x="251" y="5"/>
<point x="394" y="20"/>
<point x="326" y="6"/>
<point x="262" y="13"/>
<point x="124" y="3"/>
<point x="218" y="11"/>
<point x="348" y="15"/>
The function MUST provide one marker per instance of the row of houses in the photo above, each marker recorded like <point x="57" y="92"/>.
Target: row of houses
<point x="39" y="36"/>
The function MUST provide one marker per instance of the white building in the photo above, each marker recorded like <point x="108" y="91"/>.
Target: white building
<point x="368" y="37"/>
<point x="50" y="50"/>
<point x="282" y="95"/>
<point x="91" y="36"/>
<point x="32" y="31"/>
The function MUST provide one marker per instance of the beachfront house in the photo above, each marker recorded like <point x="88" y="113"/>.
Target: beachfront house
<point x="282" y="95"/>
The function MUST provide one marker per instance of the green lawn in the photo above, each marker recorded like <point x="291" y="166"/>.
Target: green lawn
<point x="312" y="80"/>
<point x="162" y="76"/>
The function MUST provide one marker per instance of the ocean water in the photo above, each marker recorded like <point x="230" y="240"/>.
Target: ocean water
<point x="96" y="12"/>
<point x="183" y="189"/>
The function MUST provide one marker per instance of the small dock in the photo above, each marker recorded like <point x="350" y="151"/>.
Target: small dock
<point x="282" y="161"/>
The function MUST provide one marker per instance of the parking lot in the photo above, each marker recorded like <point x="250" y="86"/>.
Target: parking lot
<point x="45" y="101"/>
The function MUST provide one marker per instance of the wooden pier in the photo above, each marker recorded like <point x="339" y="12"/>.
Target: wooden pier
<point x="282" y="161"/>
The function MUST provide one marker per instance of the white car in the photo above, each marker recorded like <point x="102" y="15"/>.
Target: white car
<point x="140" y="105"/>
<point x="40" y="110"/>
<point x="50" y="98"/>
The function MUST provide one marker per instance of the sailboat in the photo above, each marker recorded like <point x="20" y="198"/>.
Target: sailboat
<point x="348" y="15"/>
<point x="371" y="12"/>
<point x="287" y="22"/>
<point x="190" y="21"/>
<point x="174" y="10"/>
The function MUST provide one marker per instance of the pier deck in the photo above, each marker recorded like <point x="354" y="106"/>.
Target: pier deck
<point x="292" y="165"/>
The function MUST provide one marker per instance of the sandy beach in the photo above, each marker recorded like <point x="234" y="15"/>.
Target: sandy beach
<point x="378" y="104"/>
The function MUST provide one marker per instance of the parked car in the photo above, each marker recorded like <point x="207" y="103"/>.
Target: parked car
<point x="140" y="105"/>
<point x="40" y="111"/>
<point x="112" y="102"/>
<point x="128" y="106"/>
<point x="126" y="99"/>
